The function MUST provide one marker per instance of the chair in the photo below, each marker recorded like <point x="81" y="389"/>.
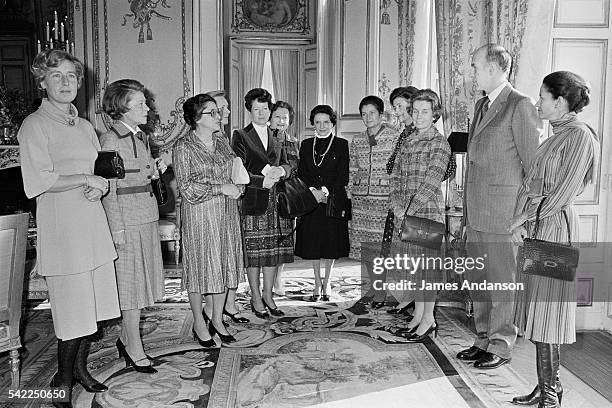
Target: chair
<point x="169" y="224"/>
<point x="13" y="235"/>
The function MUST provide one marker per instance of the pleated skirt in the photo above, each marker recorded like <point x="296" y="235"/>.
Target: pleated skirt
<point x="367" y="226"/>
<point x="140" y="268"/>
<point x="80" y="301"/>
<point x="213" y="257"/>
<point x="546" y="309"/>
<point x="261" y="235"/>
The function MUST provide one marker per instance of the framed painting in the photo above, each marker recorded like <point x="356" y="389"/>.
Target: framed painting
<point x="271" y="16"/>
<point x="584" y="292"/>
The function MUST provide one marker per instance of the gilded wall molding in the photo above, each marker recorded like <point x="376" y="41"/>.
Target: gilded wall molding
<point x="165" y="133"/>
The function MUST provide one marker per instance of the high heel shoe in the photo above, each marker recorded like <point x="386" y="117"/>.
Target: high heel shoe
<point x="204" y="343"/>
<point x="377" y="305"/>
<point x="407" y="331"/>
<point x="225" y="338"/>
<point x="260" y="314"/>
<point x="208" y="319"/>
<point x="325" y="297"/>
<point x="273" y="311"/>
<point x="236" y="319"/>
<point x="148" y="369"/>
<point x="314" y="298"/>
<point x="420" y="338"/>
<point x="401" y="310"/>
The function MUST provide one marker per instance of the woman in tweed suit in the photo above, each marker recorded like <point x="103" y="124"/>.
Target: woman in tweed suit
<point x="213" y="257"/>
<point x="132" y="214"/>
<point x="368" y="186"/>
<point x="565" y="164"/>
<point x="415" y="191"/>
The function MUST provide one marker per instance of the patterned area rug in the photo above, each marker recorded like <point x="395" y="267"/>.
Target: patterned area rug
<point x="327" y="354"/>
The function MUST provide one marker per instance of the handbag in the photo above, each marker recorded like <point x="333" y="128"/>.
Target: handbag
<point x="550" y="259"/>
<point x="294" y="198"/>
<point x="109" y="165"/>
<point x="338" y="205"/>
<point x="240" y="175"/>
<point x="422" y="231"/>
<point x="159" y="191"/>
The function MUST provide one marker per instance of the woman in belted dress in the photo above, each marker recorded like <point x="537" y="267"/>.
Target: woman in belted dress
<point x="132" y="214"/>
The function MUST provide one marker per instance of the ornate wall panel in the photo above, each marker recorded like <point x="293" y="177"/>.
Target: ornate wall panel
<point x="589" y="58"/>
<point x="581" y="13"/>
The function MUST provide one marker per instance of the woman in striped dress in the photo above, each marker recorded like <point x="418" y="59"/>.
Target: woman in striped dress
<point x="368" y="186"/>
<point x="415" y="191"/>
<point x="132" y="215"/>
<point x="565" y="164"/>
<point x="213" y="258"/>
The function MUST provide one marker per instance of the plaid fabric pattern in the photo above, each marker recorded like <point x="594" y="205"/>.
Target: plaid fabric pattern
<point x="417" y="176"/>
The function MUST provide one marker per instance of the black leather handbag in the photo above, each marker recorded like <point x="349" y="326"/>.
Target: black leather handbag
<point x="294" y="198"/>
<point x="109" y="165"/>
<point x="159" y="191"/>
<point x="422" y="231"/>
<point x="338" y="205"/>
<point x="551" y="259"/>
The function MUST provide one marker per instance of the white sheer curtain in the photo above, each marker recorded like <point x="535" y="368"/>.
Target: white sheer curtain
<point x="285" y="76"/>
<point x="252" y="62"/>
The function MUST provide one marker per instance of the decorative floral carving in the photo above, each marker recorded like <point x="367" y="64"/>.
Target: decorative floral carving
<point x="274" y="16"/>
<point x="141" y="12"/>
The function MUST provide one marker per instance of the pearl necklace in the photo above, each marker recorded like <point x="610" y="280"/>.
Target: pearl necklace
<point x="314" y="143"/>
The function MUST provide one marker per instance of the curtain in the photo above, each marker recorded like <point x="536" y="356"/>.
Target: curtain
<point x="251" y="64"/>
<point x="462" y="26"/>
<point x="406" y="16"/>
<point x="285" y="77"/>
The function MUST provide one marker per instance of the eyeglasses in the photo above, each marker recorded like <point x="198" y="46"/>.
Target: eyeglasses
<point x="214" y="112"/>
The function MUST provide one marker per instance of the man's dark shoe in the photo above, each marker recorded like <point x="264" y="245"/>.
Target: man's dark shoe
<point x="490" y="360"/>
<point x="471" y="354"/>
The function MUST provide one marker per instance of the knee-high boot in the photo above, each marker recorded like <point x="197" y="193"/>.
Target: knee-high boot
<point x="547" y="375"/>
<point x="66" y="355"/>
<point x="534" y="396"/>
<point x="81" y="374"/>
<point x="556" y="363"/>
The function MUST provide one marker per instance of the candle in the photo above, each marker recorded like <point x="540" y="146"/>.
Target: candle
<point x="55" y="26"/>
<point x="48" y="36"/>
<point x="38" y="46"/>
<point x="51" y="44"/>
<point x="72" y="48"/>
<point x="62" y="31"/>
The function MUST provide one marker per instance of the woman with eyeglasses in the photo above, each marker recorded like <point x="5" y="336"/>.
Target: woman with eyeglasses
<point x="132" y="214"/>
<point x="75" y="250"/>
<point x="266" y="162"/>
<point x="212" y="258"/>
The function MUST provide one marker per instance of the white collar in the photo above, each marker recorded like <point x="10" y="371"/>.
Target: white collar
<point x="495" y="93"/>
<point x="131" y="129"/>
<point x="263" y="128"/>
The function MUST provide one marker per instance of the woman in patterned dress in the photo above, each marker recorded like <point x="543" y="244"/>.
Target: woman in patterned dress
<point x="213" y="258"/>
<point x="263" y="155"/>
<point x="281" y="117"/>
<point x="565" y="164"/>
<point x="132" y="215"/>
<point x="415" y="191"/>
<point x="369" y="187"/>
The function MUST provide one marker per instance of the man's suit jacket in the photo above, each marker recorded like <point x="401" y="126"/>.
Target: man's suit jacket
<point x="247" y="145"/>
<point x="501" y="148"/>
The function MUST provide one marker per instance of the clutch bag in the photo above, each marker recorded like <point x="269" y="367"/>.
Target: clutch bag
<point x="422" y="231"/>
<point x="551" y="259"/>
<point x="159" y="191"/>
<point x="240" y="175"/>
<point x="109" y="165"/>
<point x="338" y="205"/>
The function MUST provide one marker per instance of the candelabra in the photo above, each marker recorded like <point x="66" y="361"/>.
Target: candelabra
<point x="56" y="36"/>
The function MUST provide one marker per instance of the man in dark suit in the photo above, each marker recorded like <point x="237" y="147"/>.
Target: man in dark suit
<point x="502" y="143"/>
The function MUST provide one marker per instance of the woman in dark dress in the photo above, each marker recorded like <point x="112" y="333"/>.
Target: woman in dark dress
<point x="324" y="167"/>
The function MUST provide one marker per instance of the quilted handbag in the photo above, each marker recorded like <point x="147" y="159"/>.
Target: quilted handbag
<point x="451" y="168"/>
<point x="294" y="197"/>
<point x="422" y="231"/>
<point x="109" y="165"/>
<point x="338" y="205"/>
<point x="551" y="259"/>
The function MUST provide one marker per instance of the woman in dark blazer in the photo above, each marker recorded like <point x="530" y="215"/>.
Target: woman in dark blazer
<point x="263" y="155"/>
<point x="324" y="167"/>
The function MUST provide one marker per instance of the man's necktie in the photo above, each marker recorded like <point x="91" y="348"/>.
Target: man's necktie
<point x="484" y="108"/>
